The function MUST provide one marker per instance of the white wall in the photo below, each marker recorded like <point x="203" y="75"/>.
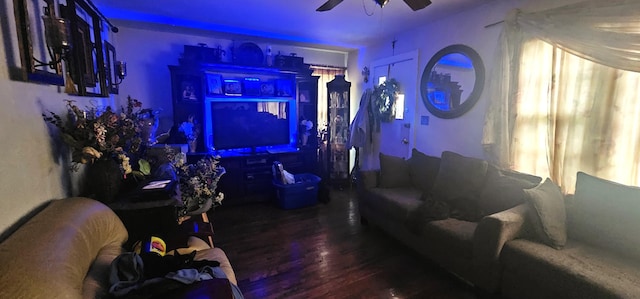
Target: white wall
<point x="463" y="134"/>
<point x="32" y="170"/>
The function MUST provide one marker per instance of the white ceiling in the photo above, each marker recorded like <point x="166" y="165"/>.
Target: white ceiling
<point x="347" y="26"/>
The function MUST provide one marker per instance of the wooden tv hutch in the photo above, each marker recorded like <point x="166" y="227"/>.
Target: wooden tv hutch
<point x="197" y="81"/>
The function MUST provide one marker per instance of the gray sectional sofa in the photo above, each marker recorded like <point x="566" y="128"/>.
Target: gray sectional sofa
<point x="600" y="257"/>
<point x="506" y="232"/>
<point x="450" y="209"/>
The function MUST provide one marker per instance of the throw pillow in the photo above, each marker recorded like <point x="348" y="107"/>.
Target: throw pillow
<point x="606" y="214"/>
<point x="394" y="172"/>
<point x="423" y="170"/>
<point x="502" y="192"/>
<point x="459" y="180"/>
<point x="428" y="210"/>
<point x="547" y="214"/>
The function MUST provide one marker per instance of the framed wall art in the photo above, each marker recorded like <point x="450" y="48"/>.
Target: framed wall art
<point x="190" y="89"/>
<point x="39" y="62"/>
<point x="60" y="43"/>
<point x="214" y="84"/>
<point x="110" y="68"/>
<point x="267" y="89"/>
<point x="232" y="87"/>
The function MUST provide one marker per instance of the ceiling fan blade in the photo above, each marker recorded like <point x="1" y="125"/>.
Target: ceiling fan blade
<point x="329" y="5"/>
<point x="417" y="4"/>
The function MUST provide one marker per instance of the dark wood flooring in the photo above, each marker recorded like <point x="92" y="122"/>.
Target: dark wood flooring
<point x="324" y="252"/>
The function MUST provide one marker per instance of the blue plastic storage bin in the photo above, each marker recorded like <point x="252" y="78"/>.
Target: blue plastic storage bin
<point x="303" y="193"/>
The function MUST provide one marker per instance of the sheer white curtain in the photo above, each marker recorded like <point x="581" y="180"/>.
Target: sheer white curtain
<point x="563" y="93"/>
<point x="279" y="109"/>
<point x="326" y="74"/>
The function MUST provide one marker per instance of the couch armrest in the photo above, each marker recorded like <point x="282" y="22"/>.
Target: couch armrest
<point x="492" y="232"/>
<point x="495" y="230"/>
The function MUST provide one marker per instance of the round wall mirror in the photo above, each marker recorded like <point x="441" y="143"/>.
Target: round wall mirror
<point x="452" y="81"/>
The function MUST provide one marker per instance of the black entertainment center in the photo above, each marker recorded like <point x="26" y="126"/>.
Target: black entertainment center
<point x="248" y="113"/>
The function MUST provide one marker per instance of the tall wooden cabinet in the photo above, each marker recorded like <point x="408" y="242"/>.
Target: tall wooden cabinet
<point x="335" y="153"/>
<point x="198" y="86"/>
<point x="308" y="112"/>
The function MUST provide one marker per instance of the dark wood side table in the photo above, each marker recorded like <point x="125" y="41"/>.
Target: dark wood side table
<point x="150" y="218"/>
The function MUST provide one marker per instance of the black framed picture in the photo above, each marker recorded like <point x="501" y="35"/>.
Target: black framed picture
<point x="284" y="88"/>
<point x="232" y="87"/>
<point x="85" y="46"/>
<point x="110" y="67"/>
<point x="267" y="89"/>
<point x="214" y="84"/>
<point x="36" y="64"/>
<point x="190" y="89"/>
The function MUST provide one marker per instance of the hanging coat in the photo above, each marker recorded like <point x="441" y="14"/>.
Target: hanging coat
<point x="360" y="128"/>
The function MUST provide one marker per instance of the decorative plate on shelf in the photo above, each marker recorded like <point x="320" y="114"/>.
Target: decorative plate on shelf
<point x="249" y="54"/>
<point x="267" y="89"/>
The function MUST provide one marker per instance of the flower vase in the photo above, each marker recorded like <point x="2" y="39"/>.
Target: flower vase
<point x="192" y="145"/>
<point x="103" y="180"/>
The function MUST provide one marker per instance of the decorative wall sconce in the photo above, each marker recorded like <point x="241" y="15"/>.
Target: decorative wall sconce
<point x="58" y="39"/>
<point x="121" y="71"/>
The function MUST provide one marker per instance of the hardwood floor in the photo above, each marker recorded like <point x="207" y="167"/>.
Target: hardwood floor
<point x="324" y="252"/>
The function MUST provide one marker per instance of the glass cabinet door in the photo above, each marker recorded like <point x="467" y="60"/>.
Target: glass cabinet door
<point x="338" y="91"/>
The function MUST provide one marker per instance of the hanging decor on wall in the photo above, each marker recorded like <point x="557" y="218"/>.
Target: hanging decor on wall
<point x="384" y="100"/>
<point x="61" y="44"/>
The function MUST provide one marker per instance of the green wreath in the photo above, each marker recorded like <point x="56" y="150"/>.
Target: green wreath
<point x="384" y="100"/>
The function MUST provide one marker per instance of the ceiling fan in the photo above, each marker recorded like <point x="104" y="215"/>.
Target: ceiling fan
<point x="414" y="4"/>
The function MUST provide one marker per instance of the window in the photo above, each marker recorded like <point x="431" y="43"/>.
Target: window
<point x="326" y="74"/>
<point x="575" y="115"/>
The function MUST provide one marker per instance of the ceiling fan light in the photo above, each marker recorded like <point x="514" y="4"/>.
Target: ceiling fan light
<point x="417" y="4"/>
<point x="382" y="3"/>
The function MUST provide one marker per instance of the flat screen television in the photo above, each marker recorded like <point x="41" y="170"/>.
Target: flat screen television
<point x="246" y="124"/>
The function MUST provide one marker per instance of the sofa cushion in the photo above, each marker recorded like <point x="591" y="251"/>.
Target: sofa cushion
<point x="394" y="172"/>
<point x="547" y="215"/>
<point x="396" y="202"/>
<point x="503" y="191"/>
<point x="459" y="180"/>
<point x="428" y="210"/>
<point x="423" y="170"/>
<point x="606" y="214"/>
<point x="69" y="235"/>
<point x="533" y="270"/>
<point x="453" y="235"/>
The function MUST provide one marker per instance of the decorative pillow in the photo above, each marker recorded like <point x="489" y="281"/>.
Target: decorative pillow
<point x="428" y="210"/>
<point x="502" y="192"/>
<point x="532" y="179"/>
<point x="606" y="214"/>
<point x="459" y="179"/>
<point x="423" y="170"/>
<point x="394" y="172"/>
<point x="547" y="213"/>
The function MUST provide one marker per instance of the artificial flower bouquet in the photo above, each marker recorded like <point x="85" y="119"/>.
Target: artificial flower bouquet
<point x="94" y="134"/>
<point x="197" y="183"/>
<point x="190" y="129"/>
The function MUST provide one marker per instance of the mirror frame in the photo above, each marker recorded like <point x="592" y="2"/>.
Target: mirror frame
<point x="473" y="97"/>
